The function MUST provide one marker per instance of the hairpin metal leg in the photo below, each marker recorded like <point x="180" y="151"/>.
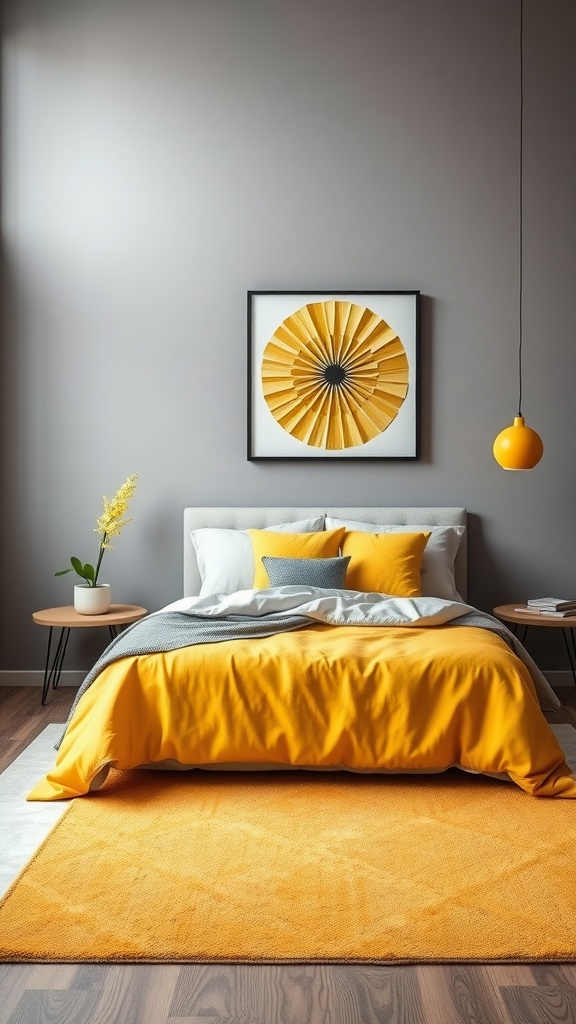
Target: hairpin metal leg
<point x="571" y="649"/>
<point x="572" y="641"/>
<point x="52" y="672"/>
<point x="113" y="632"/>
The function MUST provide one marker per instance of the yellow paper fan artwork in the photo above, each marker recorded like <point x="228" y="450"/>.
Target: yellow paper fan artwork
<point x="334" y="374"/>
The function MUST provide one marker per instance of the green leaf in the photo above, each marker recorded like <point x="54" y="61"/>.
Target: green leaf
<point x="89" y="572"/>
<point x="77" y="566"/>
<point x="63" y="572"/>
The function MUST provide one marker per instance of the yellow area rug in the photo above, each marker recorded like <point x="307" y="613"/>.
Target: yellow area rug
<point x="288" y="867"/>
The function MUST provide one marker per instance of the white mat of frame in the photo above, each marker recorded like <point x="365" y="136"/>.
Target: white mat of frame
<point x="25" y="825"/>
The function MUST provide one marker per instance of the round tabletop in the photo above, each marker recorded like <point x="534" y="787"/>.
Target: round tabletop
<point x="507" y="613"/>
<point x="66" y="616"/>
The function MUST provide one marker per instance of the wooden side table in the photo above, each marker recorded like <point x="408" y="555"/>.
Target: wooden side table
<point x="66" y="618"/>
<point x="567" y="624"/>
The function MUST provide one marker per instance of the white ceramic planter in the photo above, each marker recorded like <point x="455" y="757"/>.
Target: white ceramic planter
<point x="92" y="600"/>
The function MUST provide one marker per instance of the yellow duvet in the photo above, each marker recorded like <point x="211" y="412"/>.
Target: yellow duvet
<point x="376" y="698"/>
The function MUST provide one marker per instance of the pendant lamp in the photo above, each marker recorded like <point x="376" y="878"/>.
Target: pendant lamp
<point x="518" y="446"/>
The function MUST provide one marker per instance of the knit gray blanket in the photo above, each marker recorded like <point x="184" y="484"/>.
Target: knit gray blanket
<point x="171" y="629"/>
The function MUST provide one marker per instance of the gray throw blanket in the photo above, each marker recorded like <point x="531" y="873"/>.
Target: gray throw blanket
<point x="167" y="631"/>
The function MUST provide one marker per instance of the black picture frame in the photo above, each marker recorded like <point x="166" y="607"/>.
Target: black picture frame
<point x="320" y="390"/>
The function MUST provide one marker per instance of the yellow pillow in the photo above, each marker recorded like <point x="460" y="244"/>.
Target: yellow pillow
<point x="384" y="563"/>
<point x="323" y="544"/>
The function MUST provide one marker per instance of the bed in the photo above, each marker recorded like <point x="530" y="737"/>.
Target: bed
<point x="321" y="639"/>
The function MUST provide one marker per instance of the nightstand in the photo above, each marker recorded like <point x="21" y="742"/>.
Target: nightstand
<point x="66" y="618"/>
<point x="567" y="624"/>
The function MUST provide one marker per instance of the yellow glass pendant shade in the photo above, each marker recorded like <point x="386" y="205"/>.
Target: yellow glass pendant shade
<point x="518" y="446"/>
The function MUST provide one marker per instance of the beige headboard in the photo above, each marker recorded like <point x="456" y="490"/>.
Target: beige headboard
<point x="257" y="518"/>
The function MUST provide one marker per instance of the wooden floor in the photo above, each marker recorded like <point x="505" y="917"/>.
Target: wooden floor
<point x="213" y="994"/>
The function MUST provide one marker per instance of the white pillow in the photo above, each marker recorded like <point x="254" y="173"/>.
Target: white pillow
<point x="437" y="572"/>
<point x="225" y="559"/>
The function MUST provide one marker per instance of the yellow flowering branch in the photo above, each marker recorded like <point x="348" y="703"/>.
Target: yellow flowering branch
<point x="110" y="524"/>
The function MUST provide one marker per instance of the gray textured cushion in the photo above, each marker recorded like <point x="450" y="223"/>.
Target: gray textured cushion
<point x="329" y="573"/>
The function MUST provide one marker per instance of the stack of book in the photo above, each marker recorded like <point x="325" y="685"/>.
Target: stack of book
<point x="557" y="607"/>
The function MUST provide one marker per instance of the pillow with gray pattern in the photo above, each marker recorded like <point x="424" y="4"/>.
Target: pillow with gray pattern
<point x="328" y="573"/>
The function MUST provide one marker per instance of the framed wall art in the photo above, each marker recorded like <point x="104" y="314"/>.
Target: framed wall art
<point x="333" y="375"/>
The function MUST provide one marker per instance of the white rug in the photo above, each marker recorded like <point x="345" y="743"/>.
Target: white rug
<point x="25" y="825"/>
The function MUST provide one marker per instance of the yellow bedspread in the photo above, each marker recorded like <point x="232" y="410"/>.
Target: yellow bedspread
<point x="361" y="698"/>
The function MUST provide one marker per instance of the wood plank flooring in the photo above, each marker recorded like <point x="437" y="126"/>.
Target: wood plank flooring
<point x="243" y="994"/>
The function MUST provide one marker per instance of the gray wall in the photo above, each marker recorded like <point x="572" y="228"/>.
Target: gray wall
<point x="162" y="158"/>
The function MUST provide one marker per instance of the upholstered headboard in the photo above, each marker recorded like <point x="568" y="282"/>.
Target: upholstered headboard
<point x="257" y="518"/>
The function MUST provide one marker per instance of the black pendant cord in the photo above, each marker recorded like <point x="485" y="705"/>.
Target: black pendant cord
<point x="520" y="219"/>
